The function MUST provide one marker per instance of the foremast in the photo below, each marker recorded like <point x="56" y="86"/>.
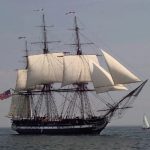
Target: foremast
<point x="26" y="103"/>
<point x="51" y="108"/>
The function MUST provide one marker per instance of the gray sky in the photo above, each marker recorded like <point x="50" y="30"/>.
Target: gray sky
<point x="120" y="26"/>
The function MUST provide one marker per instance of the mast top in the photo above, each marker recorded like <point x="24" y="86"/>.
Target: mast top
<point x="76" y="29"/>
<point x="26" y="51"/>
<point x="77" y="40"/>
<point x="45" y="42"/>
<point x="45" y="49"/>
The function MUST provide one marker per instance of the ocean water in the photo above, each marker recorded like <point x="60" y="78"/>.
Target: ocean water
<point x="112" y="138"/>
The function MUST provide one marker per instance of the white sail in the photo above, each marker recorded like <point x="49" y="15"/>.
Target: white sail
<point x="102" y="80"/>
<point x="45" y="69"/>
<point x="145" y="122"/>
<point x="76" y="68"/>
<point x="20" y="106"/>
<point x="21" y="82"/>
<point x="100" y="77"/>
<point x="119" y="73"/>
<point x="118" y="87"/>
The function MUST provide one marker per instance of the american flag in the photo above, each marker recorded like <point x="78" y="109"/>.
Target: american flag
<point x="5" y="95"/>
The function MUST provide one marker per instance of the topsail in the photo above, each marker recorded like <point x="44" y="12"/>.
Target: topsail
<point x="76" y="69"/>
<point x="45" y="69"/>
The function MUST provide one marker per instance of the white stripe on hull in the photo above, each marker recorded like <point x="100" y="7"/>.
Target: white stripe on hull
<point x="52" y="127"/>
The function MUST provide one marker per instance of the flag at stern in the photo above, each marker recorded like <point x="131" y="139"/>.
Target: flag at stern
<point x="5" y="95"/>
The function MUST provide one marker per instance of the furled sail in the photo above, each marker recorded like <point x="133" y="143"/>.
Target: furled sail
<point x="119" y="73"/>
<point x="20" y="106"/>
<point x="76" y="69"/>
<point x="102" y="80"/>
<point x="45" y="69"/>
<point x="21" y="82"/>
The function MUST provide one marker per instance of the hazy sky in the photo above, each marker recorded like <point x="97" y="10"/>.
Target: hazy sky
<point x="120" y="26"/>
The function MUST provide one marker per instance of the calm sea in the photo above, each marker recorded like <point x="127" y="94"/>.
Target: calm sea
<point x="112" y="138"/>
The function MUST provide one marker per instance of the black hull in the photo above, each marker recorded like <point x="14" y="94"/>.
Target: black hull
<point x="79" y="131"/>
<point x="79" y="128"/>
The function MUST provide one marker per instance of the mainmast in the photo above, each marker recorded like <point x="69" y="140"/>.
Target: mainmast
<point x="79" y="52"/>
<point x="81" y="93"/>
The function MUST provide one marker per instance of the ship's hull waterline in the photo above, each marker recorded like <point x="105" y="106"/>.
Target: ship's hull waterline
<point x="70" y="128"/>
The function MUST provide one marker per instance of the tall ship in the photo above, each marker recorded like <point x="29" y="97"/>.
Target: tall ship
<point x="61" y="93"/>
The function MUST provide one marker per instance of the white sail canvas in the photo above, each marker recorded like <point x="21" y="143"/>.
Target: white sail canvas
<point x="45" y="69"/>
<point x="145" y="122"/>
<point x="20" y="106"/>
<point x="76" y="69"/>
<point x="119" y="73"/>
<point x="102" y="80"/>
<point x="21" y="83"/>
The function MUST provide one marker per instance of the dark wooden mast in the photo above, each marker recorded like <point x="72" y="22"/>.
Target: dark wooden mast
<point x="28" y="95"/>
<point x="77" y="39"/>
<point x="45" y="43"/>
<point x="51" y="109"/>
<point x="81" y="93"/>
<point x="27" y="54"/>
